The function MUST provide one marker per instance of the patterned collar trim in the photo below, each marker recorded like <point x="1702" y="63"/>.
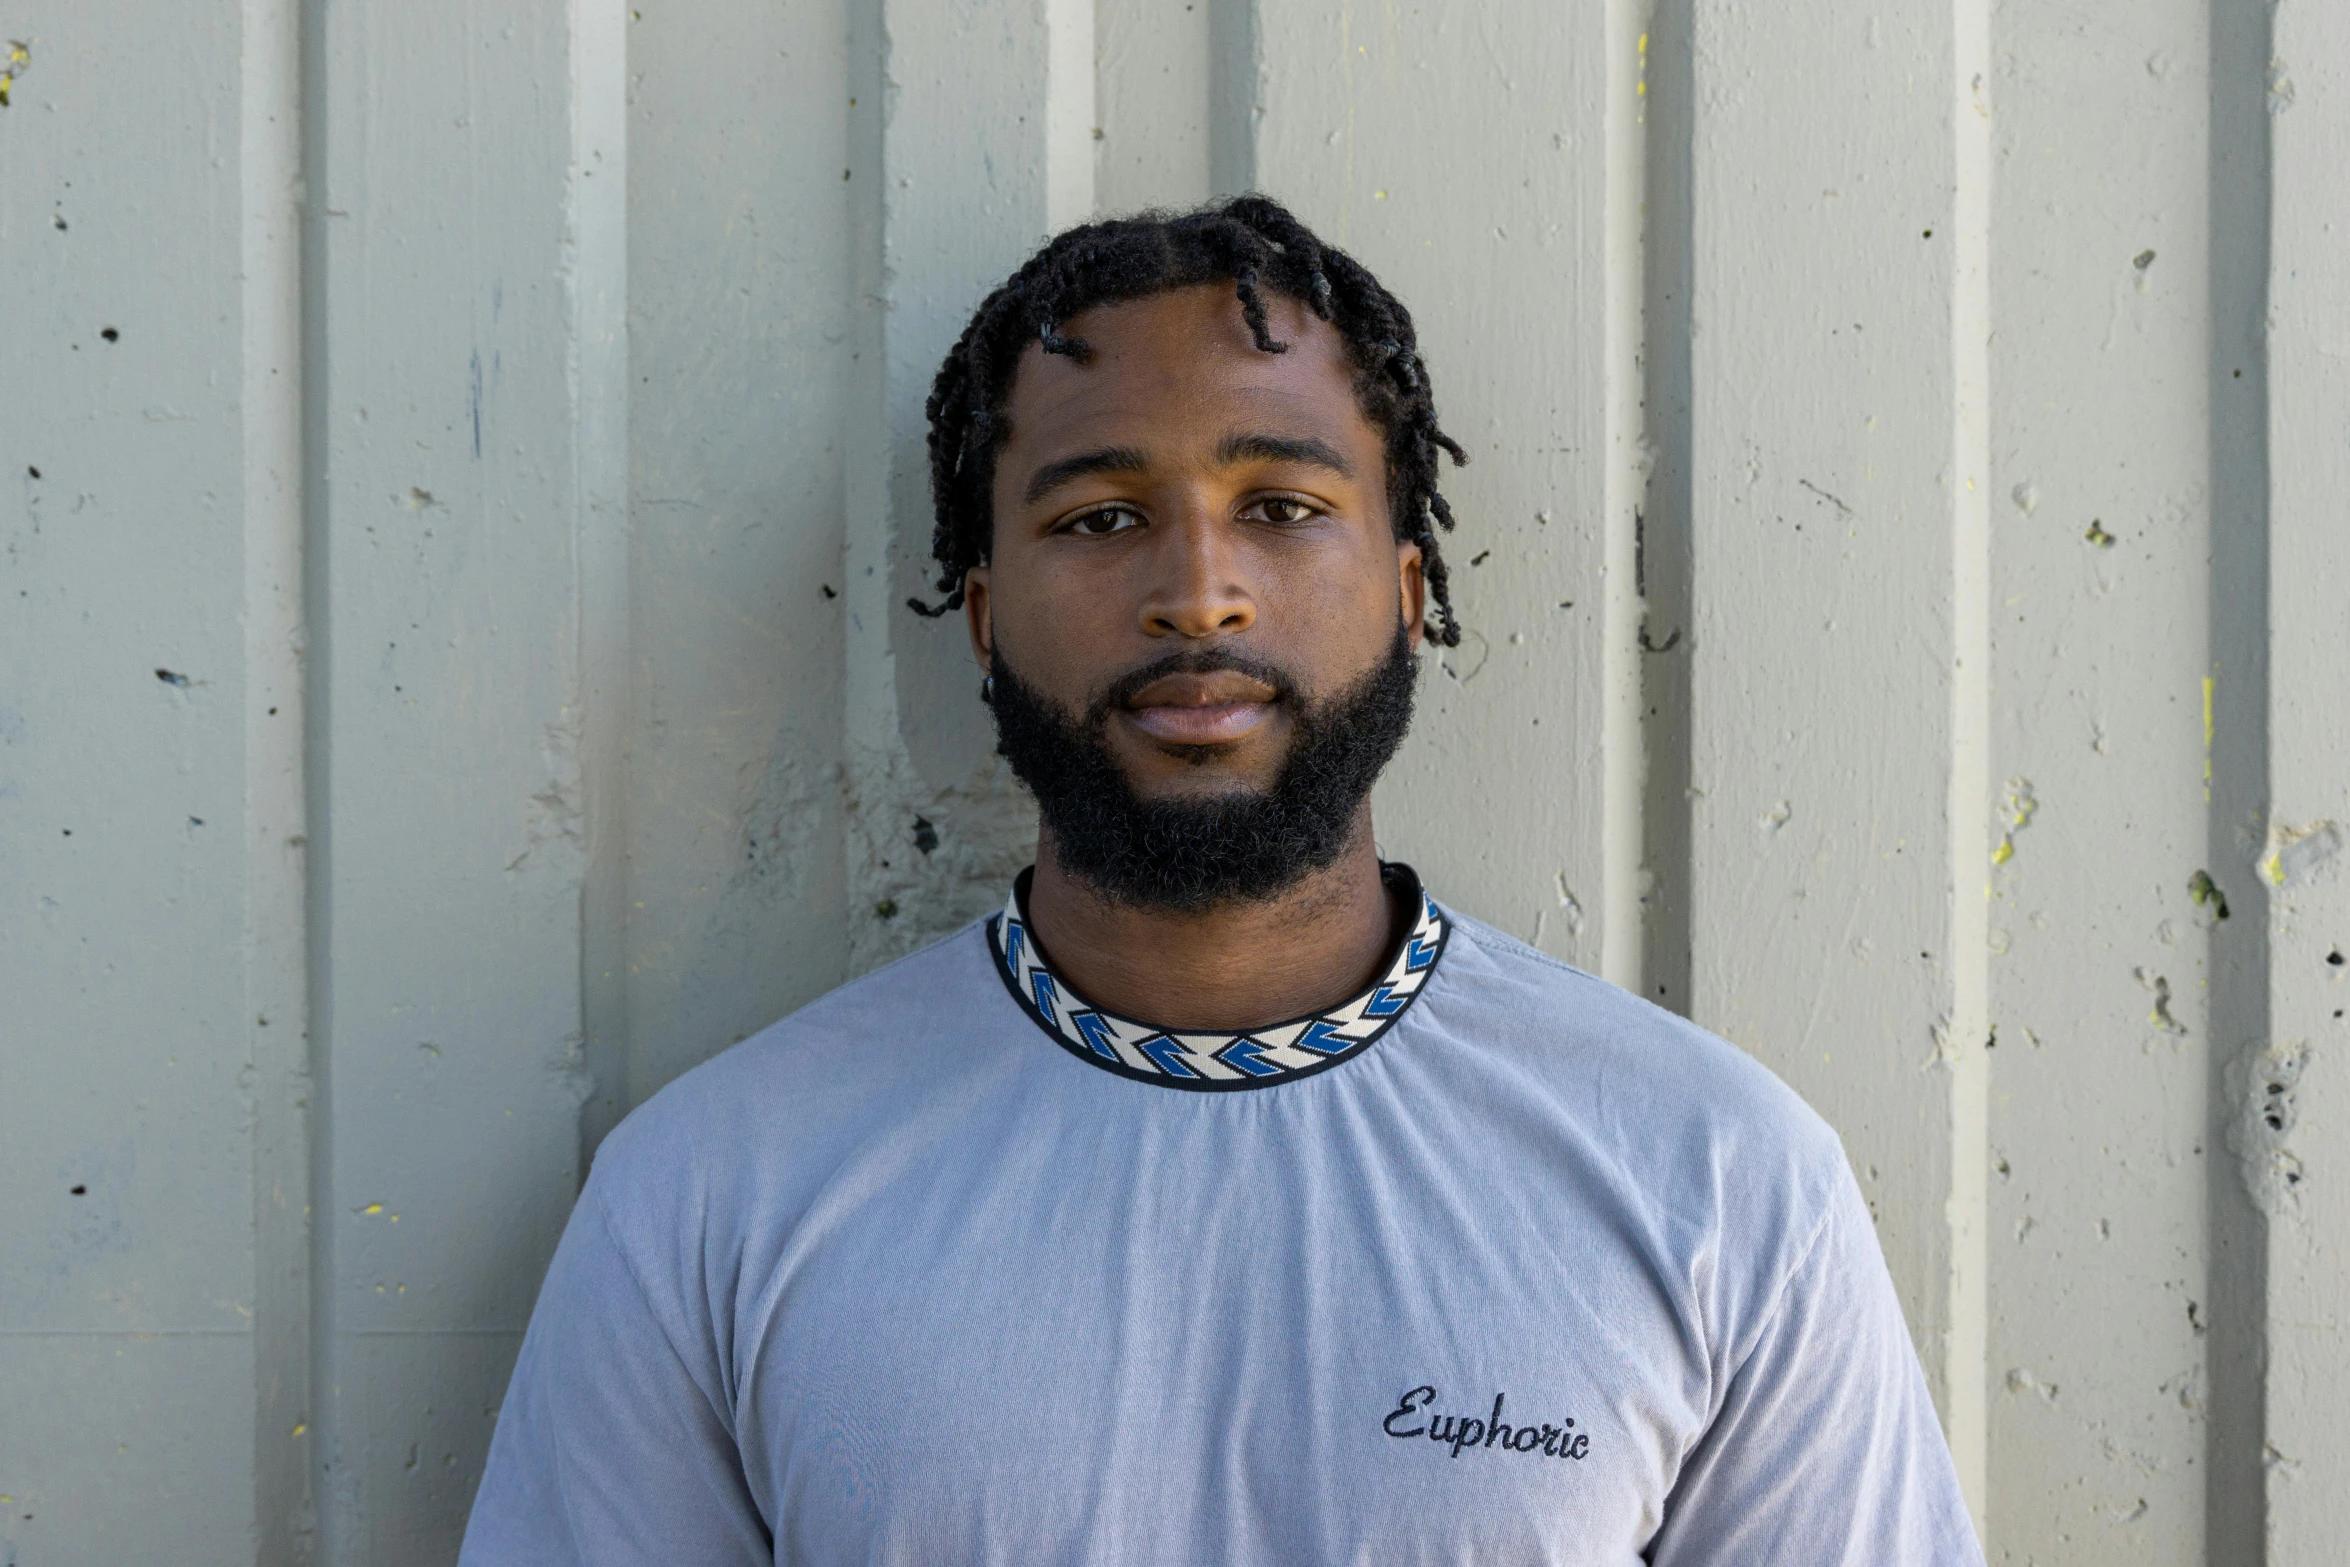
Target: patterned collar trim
<point x="1216" y="1062"/>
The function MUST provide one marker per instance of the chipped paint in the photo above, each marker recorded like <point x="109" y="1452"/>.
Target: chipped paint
<point x="2291" y="854"/>
<point x="981" y="833"/>
<point x="2267" y="1084"/>
<point x="2207" y="895"/>
<point x="2159" y="1018"/>
<point x="18" y="56"/>
<point x="2017" y="805"/>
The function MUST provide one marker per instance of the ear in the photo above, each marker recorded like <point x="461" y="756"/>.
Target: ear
<point x="979" y="616"/>
<point x="1413" y="581"/>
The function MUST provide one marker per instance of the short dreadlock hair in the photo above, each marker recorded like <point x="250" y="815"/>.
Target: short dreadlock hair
<point x="1254" y="242"/>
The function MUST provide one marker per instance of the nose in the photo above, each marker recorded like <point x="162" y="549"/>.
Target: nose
<point x="1199" y="586"/>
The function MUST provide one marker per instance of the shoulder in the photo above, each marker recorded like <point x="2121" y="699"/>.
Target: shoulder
<point x="1695" y="1149"/>
<point x="873" y="1054"/>
<point x="1657" y="1073"/>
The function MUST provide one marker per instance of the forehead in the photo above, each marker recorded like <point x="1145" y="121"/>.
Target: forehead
<point x="1183" y="362"/>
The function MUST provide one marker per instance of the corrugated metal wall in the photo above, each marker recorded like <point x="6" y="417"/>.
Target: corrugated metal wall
<point x="460" y="474"/>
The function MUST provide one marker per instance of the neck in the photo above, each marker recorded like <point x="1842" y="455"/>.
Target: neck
<point x="1239" y="966"/>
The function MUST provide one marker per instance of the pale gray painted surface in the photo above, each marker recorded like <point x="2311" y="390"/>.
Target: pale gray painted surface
<point x="1834" y="528"/>
<point x="2102" y="535"/>
<point x="462" y="424"/>
<point x="738" y="322"/>
<point x="509" y="447"/>
<point x="128" y="1344"/>
<point x="2291" y="1100"/>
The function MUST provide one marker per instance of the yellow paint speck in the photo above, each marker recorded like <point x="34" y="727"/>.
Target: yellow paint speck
<point x="373" y="1207"/>
<point x="301" y="1428"/>
<point x="17" y="58"/>
<point x="2005" y="851"/>
<point x="1644" y="43"/>
<point x="2208" y="682"/>
<point x="1378" y="195"/>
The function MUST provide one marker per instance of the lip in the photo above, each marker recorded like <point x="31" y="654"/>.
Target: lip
<point x="1212" y="708"/>
<point x="1208" y="723"/>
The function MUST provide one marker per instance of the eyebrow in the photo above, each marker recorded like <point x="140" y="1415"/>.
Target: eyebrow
<point x="1104" y="459"/>
<point x="1250" y="446"/>
<point x="1307" y="450"/>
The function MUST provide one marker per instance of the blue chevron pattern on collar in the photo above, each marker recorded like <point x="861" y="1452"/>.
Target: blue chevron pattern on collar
<point x="1216" y="1062"/>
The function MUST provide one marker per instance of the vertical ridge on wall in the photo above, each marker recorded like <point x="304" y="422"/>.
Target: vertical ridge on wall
<point x="1661" y="562"/>
<point x="1069" y="118"/>
<point x="1175" y="103"/>
<point x="275" y="1016"/>
<point x="1156" y="81"/>
<point x="317" y="775"/>
<point x="1236" y="70"/>
<point x="1623" y="958"/>
<point x="1822" y="388"/>
<point x="971" y="174"/>
<point x="2293" y="1134"/>
<point x="2103" y="526"/>
<point x="464" y="533"/>
<point x="742" y="178"/>
<point x="2237" y="175"/>
<point x="145" y="1114"/>
<point x="1965" y="1384"/>
<point x="595" y="279"/>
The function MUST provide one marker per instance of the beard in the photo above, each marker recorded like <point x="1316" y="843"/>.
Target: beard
<point x="1188" y="855"/>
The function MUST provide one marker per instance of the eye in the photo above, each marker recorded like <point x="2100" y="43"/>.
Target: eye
<point x="1101" y="521"/>
<point x="1281" y="510"/>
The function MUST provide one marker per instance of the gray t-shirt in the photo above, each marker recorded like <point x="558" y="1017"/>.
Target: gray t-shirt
<point x="1495" y="1263"/>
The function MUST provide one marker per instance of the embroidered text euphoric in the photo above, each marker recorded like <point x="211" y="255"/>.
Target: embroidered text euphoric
<point x="1467" y="1432"/>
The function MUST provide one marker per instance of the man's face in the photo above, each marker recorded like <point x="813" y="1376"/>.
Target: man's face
<point x="1198" y="619"/>
<point x="1185" y="493"/>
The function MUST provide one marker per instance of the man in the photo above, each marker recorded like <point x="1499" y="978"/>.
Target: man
<point x="1225" y="1198"/>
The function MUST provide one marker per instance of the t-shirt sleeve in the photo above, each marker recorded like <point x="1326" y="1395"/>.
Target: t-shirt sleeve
<point x="1826" y="1451"/>
<point x="615" y="1442"/>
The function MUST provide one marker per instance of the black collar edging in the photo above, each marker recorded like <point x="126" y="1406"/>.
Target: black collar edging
<point x="1216" y="1061"/>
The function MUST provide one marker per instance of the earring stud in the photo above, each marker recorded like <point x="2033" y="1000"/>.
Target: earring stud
<point x="987" y="690"/>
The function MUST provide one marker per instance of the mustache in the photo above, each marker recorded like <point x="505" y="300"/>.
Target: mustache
<point x="1190" y="661"/>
